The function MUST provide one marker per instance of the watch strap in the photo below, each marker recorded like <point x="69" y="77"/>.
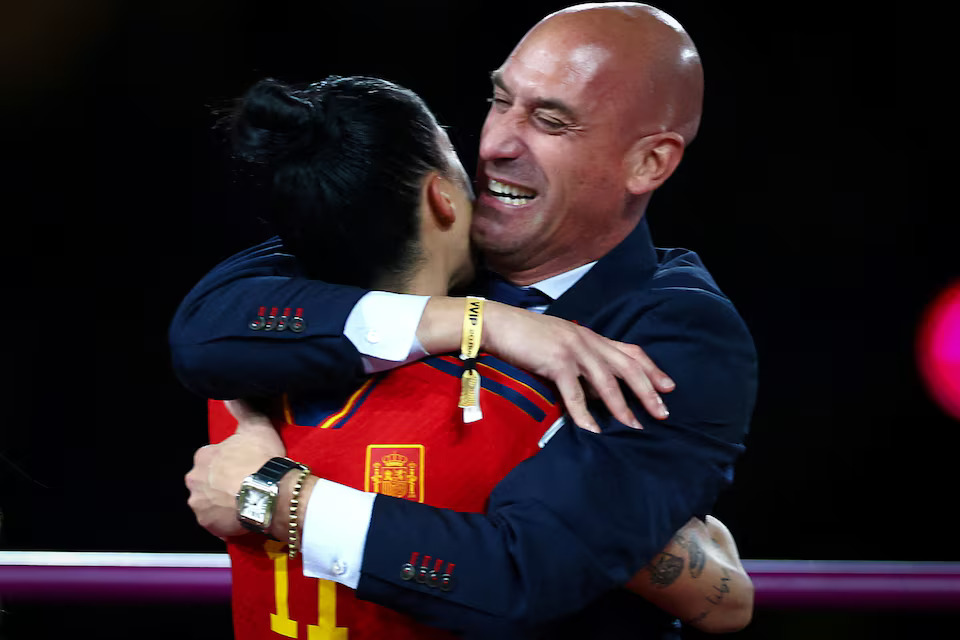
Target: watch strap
<point x="276" y="468"/>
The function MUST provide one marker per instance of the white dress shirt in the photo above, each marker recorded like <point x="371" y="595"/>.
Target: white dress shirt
<point x="383" y="327"/>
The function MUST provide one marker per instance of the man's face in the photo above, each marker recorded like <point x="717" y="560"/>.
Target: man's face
<point x="551" y="170"/>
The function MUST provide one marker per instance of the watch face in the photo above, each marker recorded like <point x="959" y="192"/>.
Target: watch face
<point x="255" y="505"/>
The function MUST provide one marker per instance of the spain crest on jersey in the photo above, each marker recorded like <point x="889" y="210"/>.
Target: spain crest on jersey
<point x="395" y="470"/>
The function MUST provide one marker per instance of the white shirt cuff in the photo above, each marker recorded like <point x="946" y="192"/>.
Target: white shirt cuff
<point x="335" y="532"/>
<point x="383" y="328"/>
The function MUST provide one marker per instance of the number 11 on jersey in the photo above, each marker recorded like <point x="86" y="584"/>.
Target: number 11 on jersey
<point x="281" y="623"/>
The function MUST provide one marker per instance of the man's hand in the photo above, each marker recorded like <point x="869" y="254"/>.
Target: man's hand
<point x="558" y="350"/>
<point x="564" y="352"/>
<point x="219" y="469"/>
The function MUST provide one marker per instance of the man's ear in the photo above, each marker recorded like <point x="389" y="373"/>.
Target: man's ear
<point x="440" y="200"/>
<point x="652" y="160"/>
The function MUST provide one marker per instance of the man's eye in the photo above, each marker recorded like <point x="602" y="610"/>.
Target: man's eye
<point x="498" y="101"/>
<point x="551" y="123"/>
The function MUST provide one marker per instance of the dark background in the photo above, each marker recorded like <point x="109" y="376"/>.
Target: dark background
<point x="809" y="194"/>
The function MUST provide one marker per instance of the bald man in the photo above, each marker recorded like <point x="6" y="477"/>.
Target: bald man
<point x="591" y="112"/>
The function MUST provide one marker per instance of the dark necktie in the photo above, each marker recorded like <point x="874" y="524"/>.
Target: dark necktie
<point x="502" y="291"/>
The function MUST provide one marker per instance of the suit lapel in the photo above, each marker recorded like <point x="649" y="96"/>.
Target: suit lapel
<point x="628" y="267"/>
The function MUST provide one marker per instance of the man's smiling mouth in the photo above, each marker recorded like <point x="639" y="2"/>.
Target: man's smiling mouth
<point x="510" y="194"/>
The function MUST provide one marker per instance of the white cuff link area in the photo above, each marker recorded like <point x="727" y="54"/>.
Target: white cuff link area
<point x="383" y="328"/>
<point x="335" y="532"/>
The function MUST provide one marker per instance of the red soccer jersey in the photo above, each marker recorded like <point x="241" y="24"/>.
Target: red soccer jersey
<point x="400" y="434"/>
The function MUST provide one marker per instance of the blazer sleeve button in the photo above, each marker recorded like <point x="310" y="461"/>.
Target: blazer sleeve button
<point x="422" y="575"/>
<point x="446" y="582"/>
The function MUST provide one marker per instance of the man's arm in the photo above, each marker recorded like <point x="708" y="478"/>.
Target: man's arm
<point x="584" y="515"/>
<point x="254" y="327"/>
<point x="699" y="578"/>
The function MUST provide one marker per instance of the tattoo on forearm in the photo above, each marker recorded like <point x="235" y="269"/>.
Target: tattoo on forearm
<point x="698" y="558"/>
<point x="665" y="569"/>
<point x="721" y="589"/>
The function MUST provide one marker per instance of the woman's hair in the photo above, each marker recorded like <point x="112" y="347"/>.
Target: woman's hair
<point x="345" y="160"/>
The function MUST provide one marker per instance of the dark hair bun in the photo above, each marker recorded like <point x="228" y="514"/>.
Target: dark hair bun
<point x="342" y="162"/>
<point x="273" y="124"/>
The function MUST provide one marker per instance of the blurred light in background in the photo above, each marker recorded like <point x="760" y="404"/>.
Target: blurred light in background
<point x="938" y="349"/>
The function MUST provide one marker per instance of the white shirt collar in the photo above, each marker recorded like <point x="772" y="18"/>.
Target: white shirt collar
<point x="556" y="286"/>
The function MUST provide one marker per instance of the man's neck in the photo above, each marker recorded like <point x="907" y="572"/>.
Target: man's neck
<point x="523" y="269"/>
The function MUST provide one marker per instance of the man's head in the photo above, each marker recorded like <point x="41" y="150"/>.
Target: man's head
<point x="364" y="185"/>
<point x="591" y="112"/>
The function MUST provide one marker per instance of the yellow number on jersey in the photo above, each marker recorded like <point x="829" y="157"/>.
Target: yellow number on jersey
<point x="326" y="627"/>
<point x="281" y="623"/>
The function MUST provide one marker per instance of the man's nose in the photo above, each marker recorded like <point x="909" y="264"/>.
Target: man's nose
<point x="500" y="138"/>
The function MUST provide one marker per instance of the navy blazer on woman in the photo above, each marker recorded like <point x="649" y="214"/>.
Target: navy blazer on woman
<point x="565" y="528"/>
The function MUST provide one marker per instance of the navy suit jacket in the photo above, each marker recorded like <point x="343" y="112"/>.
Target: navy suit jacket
<point x="565" y="528"/>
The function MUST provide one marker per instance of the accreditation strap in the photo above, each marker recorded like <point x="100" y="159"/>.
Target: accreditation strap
<point x="469" y="349"/>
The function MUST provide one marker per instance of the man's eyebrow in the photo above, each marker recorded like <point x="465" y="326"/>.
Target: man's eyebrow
<point x="551" y="104"/>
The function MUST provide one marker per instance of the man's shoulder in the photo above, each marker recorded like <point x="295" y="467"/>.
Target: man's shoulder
<point x="679" y="282"/>
<point x="693" y="330"/>
<point x="680" y="297"/>
<point x="682" y="269"/>
<point x="266" y="256"/>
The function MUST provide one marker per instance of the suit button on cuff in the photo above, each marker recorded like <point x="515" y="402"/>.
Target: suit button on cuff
<point x="446" y="582"/>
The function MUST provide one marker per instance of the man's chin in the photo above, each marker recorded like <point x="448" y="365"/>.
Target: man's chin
<point x="484" y="231"/>
<point x="491" y="239"/>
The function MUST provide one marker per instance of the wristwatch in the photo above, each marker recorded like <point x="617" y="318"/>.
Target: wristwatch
<point x="258" y="493"/>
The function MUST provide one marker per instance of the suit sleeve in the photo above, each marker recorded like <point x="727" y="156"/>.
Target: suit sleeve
<point x="582" y="516"/>
<point x="225" y="344"/>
